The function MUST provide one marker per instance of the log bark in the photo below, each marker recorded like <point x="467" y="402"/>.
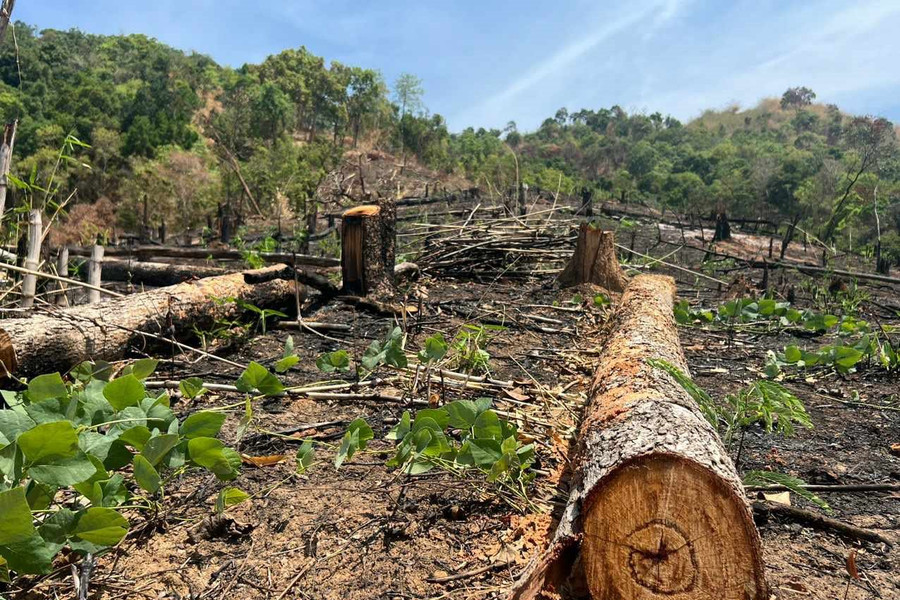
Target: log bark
<point x="151" y="252"/>
<point x="156" y="274"/>
<point x="656" y="508"/>
<point x="594" y="261"/>
<point x="64" y="338"/>
<point x="367" y="250"/>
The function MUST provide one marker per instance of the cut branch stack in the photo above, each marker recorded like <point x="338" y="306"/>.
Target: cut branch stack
<point x="657" y="508"/>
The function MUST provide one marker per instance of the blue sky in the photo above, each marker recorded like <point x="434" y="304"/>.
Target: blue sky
<point x="486" y="62"/>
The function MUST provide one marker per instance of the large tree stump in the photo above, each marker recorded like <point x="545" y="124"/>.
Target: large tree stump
<point x="657" y="509"/>
<point x="109" y="330"/>
<point x="594" y="261"/>
<point x="368" y="250"/>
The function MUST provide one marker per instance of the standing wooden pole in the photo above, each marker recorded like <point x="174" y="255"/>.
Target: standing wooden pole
<point x="95" y="268"/>
<point x="32" y="258"/>
<point x="6" y="149"/>
<point x="62" y="269"/>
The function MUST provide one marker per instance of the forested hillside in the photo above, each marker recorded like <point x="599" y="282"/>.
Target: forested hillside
<point x="173" y="133"/>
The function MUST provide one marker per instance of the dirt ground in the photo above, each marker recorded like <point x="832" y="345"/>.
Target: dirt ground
<point x="369" y="532"/>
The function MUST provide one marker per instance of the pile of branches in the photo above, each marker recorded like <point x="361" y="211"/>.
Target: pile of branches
<point x="490" y="248"/>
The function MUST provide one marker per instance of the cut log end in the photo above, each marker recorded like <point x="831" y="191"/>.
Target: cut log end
<point x="681" y="533"/>
<point x="367" y="210"/>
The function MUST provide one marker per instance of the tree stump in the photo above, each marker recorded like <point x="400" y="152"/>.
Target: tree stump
<point x="594" y="261"/>
<point x="656" y="509"/>
<point x="368" y="235"/>
<point x="723" y="228"/>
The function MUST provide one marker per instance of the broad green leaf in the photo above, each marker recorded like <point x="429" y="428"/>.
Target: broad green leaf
<point x="33" y="555"/>
<point x="485" y="452"/>
<point x="462" y="413"/>
<point x="144" y="368"/>
<point x="257" y="378"/>
<point x="15" y="517"/>
<point x="435" y="348"/>
<point x="229" y="497"/>
<point x="63" y="471"/>
<point x="135" y="436"/>
<point x="399" y="431"/>
<point x="158" y="446"/>
<point x="339" y="360"/>
<point x="192" y="387"/>
<point x="45" y="387"/>
<point x="205" y="423"/>
<point x="284" y="364"/>
<point x="487" y="426"/>
<point x="13" y="423"/>
<point x="39" y="495"/>
<point x="306" y="454"/>
<point x="49" y="442"/>
<point x="145" y="475"/>
<point x="792" y="354"/>
<point x="124" y="392"/>
<point x="211" y="454"/>
<point x="98" y="528"/>
<point x="438" y="415"/>
<point x="57" y="527"/>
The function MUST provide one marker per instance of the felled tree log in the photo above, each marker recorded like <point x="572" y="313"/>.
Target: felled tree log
<point x="594" y="261"/>
<point x="368" y="236"/>
<point x="156" y="274"/>
<point x="656" y="509"/>
<point x="151" y="252"/>
<point x="62" y="339"/>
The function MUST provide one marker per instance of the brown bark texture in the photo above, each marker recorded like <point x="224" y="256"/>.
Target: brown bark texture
<point x="155" y="274"/>
<point x="657" y="509"/>
<point x="594" y="261"/>
<point x="152" y="252"/>
<point x="61" y="339"/>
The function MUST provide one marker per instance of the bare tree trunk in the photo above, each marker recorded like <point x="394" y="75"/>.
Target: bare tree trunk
<point x="156" y="274"/>
<point x="594" y="261"/>
<point x="32" y="258"/>
<point x="657" y="508"/>
<point x="6" y="149"/>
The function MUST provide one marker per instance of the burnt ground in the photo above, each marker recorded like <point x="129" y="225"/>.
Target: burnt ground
<point x="366" y="531"/>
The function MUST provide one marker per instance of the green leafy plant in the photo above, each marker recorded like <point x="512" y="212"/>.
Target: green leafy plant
<point x="469" y="346"/>
<point x="289" y="358"/>
<point x="73" y="452"/>
<point x="460" y="436"/>
<point x="387" y="351"/>
<point x="765" y="402"/>
<point x="435" y="349"/>
<point x="794" y="484"/>
<point x="329" y="362"/>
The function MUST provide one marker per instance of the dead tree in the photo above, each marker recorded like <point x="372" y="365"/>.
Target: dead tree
<point x="108" y="330"/>
<point x="368" y="238"/>
<point x="6" y="150"/>
<point x="594" y="261"/>
<point x="656" y="508"/>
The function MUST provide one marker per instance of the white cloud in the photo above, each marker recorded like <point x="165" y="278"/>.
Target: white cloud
<point x="661" y="12"/>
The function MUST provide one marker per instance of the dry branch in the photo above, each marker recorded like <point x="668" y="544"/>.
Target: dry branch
<point x="656" y="507"/>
